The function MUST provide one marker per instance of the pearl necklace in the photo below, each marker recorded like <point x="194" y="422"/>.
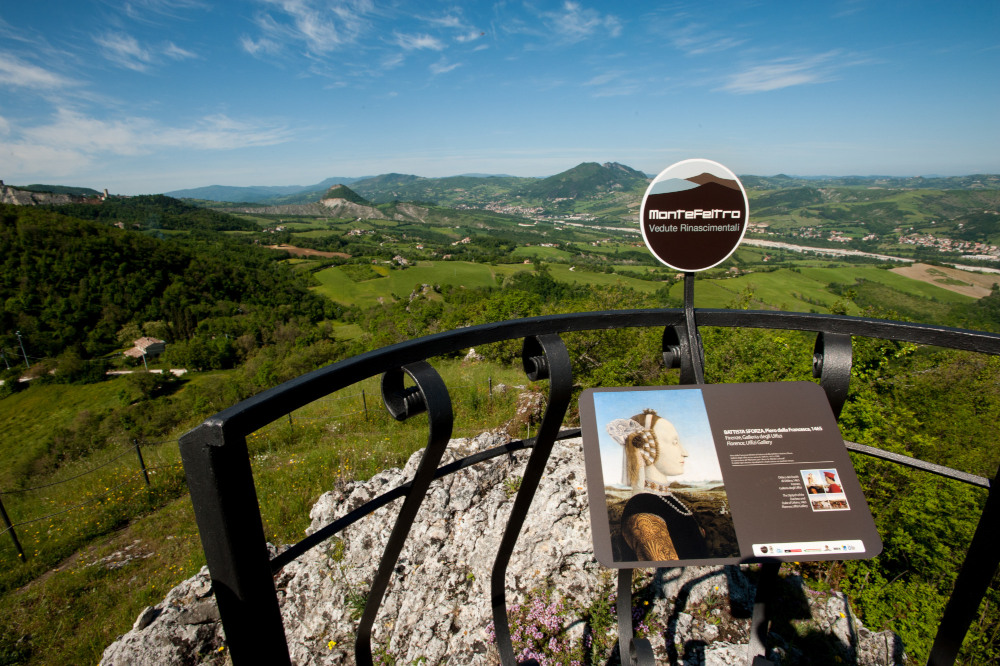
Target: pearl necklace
<point x="665" y="496"/>
<point x="658" y="487"/>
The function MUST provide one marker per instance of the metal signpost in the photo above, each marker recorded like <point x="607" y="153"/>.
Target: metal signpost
<point x="747" y="454"/>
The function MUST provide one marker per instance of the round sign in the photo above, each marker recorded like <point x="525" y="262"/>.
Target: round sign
<point x="694" y="215"/>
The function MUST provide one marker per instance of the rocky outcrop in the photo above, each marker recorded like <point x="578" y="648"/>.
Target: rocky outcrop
<point x="339" y="208"/>
<point x="18" y="197"/>
<point x="437" y="606"/>
<point x="342" y="208"/>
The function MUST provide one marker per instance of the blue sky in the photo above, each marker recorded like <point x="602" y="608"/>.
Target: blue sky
<point x="156" y="95"/>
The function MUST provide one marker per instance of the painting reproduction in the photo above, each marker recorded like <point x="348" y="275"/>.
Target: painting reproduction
<point x="666" y="499"/>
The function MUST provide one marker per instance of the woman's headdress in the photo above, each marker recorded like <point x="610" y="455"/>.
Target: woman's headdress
<point x="639" y="445"/>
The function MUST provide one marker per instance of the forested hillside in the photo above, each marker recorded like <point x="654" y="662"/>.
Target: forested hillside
<point x="154" y="211"/>
<point x="72" y="285"/>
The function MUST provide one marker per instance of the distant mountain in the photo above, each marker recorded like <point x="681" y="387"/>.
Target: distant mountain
<point x="588" y="180"/>
<point x="450" y="191"/>
<point x="486" y="175"/>
<point x="258" y="194"/>
<point x="782" y="181"/>
<point x="341" y="191"/>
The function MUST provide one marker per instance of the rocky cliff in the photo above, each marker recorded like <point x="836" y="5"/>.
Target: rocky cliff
<point x="437" y="605"/>
<point x="19" y="197"/>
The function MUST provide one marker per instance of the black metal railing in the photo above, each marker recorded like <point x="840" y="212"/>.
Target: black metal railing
<point x="221" y="482"/>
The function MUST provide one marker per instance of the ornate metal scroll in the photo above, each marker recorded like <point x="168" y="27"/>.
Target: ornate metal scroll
<point x="543" y="357"/>
<point x="430" y="395"/>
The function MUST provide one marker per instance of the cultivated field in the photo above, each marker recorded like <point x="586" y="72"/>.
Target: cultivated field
<point x="962" y="282"/>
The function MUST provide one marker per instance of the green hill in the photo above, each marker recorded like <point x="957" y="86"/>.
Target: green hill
<point x="450" y="191"/>
<point x="256" y="194"/>
<point x="340" y="191"/>
<point x="587" y="181"/>
<point x="154" y="211"/>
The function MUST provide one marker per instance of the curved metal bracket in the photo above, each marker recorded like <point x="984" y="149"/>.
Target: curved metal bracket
<point x="832" y="358"/>
<point x="543" y="357"/>
<point x="673" y="348"/>
<point x="431" y="395"/>
<point x="677" y="353"/>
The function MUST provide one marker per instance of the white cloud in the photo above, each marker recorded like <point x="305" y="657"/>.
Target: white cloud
<point x="469" y="36"/>
<point x="141" y="9"/>
<point x="694" y="39"/>
<point x="72" y="140"/>
<point x="393" y="61"/>
<point x="467" y="33"/>
<point x="784" y="73"/>
<point x="443" y="66"/>
<point x="413" y="42"/>
<point x="323" y="26"/>
<point x="575" y="23"/>
<point x="19" y="74"/>
<point x="125" y="51"/>
<point x="177" y="53"/>
<point x="259" y="46"/>
<point x="612" y="84"/>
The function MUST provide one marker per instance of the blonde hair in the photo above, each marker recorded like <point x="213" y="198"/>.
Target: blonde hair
<point x="641" y="448"/>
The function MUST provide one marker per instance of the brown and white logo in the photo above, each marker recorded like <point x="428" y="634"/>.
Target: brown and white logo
<point x="694" y="215"/>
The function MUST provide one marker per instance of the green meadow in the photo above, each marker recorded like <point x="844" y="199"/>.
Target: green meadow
<point x="338" y="286"/>
<point x="806" y="289"/>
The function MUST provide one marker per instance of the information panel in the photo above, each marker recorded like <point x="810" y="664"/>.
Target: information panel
<point x="719" y="474"/>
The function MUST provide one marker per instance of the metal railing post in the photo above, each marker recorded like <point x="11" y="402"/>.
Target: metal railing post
<point x="220" y="481"/>
<point x="973" y="581"/>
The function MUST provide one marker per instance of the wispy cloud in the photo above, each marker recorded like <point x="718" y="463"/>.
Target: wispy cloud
<point x="785" y="73"/>
<point x="177" y="53"/>
<point x="612" y="84"/>
<point x="442" y="66"/>
<point x="574" y="23"/>
<point x="454" y="22"/>
<point x="262" y="46"/>
<point x="414" y="42"/>
<point x="695" y="39"/>
<point x="20" y="74"/>
<point x="125" y="51"/>
<point x="78" y="139"/>
<point x="141" y="10"/>
<point x="322" y="26"/>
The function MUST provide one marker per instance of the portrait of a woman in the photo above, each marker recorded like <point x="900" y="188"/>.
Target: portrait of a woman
<point x="655" y="524"/>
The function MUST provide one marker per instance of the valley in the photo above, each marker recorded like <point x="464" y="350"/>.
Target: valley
<point x="248" y="294"/>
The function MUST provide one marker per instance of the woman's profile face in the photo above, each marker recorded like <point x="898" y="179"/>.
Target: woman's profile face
<point x="670" y="460"/>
